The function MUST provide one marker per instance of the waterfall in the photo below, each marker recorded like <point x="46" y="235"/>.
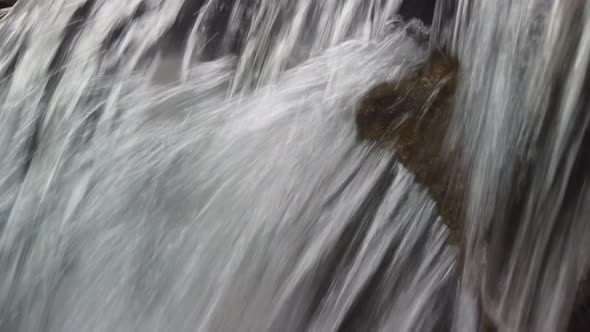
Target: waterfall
<point x="216" y="186"/>
<point x="521" y="124"/>
<point x="176" y="165"/>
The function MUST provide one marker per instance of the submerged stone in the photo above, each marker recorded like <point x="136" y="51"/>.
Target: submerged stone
<point x="411" y="116"/>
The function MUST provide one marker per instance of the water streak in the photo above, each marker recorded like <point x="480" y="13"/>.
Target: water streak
<point x="522" y="125"/>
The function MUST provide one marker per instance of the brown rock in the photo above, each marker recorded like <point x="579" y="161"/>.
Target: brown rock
<point x="412" y="116"/>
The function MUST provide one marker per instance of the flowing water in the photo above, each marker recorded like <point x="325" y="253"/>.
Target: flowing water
<point x="174" y="165"/>
<point x="521" y="122"/>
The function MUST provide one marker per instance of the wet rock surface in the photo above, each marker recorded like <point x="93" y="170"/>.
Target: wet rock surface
<point x="411" y="116"/>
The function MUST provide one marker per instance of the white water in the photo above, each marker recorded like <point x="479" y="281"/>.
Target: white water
<point x="152" y="182"/>
<point x="521" y="122"/>
<point x="145" y="190"/>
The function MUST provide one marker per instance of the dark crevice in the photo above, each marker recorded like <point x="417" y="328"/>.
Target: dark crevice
<point x="7" y="3"/>
<point x="420" y="9"/>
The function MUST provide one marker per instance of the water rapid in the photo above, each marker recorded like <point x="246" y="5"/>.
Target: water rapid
<point x="173" y="165"/>
<point x="521" y="124"/>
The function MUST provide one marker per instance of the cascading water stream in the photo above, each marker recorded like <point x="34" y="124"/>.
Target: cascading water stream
<point x="208" y="189"/>
<point x="173" y="165"/>
<point x="521" y="123"/>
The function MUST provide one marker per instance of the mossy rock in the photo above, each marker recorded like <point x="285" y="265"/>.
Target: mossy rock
<point x="411" y="116"/>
